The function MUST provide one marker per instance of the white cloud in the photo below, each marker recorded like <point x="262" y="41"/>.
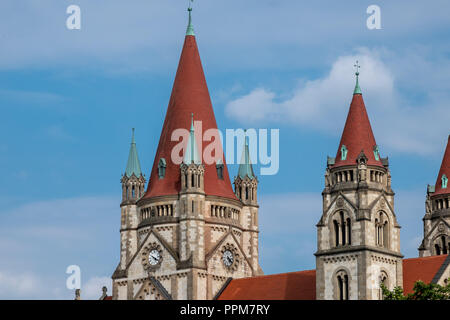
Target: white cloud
<point x="18" y="285"/>
<point x="82" y="231"/>
<point x="399" y="122"/>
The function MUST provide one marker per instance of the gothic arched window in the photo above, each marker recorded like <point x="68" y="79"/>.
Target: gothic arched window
<point x="383" y="281"/>
<point x="437" y="249"/>
<point x="382" y="230"/>
<point x="444" y="245"/>
<point x="336" y="232"/>
<point x="342" y="228"/>
<point x="349" y="231"/>
<point x="342" y="284"/>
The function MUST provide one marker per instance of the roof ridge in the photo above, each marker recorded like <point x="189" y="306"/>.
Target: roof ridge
<point x="276" y="274"/>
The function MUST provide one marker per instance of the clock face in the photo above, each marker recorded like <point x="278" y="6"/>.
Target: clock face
<point x="228" y="258"/>
<point x="154" y="257"/>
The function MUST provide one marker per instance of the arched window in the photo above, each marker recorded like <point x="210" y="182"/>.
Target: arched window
<point x="349" y="231"/>
<point x="192" y="180"/>
<point x="342" y="284"/>
<point x="437" y="249"/>
<point x="133" y="192"/>
<point x="343" y="227"/>
<point x="336" y="232"/>
<point x="126" y="193"/>
<point x="444" y="245"/>
<point x="384" y="281"/>
<point x="382" y="230"/>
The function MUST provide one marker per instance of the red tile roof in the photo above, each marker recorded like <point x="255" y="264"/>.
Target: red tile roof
<point x="420" y="269"/>
<point x="357" y="135"/>
<point x="285" y="286"/>
<point x="445" y="169"/>
<point x="189" y="95"/>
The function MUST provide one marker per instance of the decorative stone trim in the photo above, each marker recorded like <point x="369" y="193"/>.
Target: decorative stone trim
<point x="382" y="259"/>
<point x="343" y="258"/>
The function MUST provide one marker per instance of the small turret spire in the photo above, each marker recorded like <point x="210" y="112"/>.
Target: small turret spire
<point x="133" y="165"/>
<point x="357" y="88"/>
<point x="245" y="167"/>
<point x="191" y="155"/>
<point x="190" y="28"/>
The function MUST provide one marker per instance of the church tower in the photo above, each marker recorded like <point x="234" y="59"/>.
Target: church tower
<point x="133" y="188"/>
<point x="246" y="186"/>
<point x="193" y="234"/>
<point x="358" y="237"/>
<point x="436" y="222"/>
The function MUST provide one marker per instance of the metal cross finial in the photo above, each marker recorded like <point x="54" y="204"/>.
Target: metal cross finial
<point x="190" y="5"/>
<point x="357" y="66"/>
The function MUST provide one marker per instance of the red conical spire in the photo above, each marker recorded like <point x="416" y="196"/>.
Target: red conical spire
<point x="190" y="95"/>
<point x="357" y="135"/>
<point x="445" y="170"/>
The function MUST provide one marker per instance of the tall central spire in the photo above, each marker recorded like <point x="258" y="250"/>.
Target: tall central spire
<point x="357" y="136"/>
<point x="190" y="95"/>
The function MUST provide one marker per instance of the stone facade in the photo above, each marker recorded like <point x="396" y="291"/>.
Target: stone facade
<point x="358" y="234"/>
<point x="191" y="233"/>
<point x="436" y="225"/>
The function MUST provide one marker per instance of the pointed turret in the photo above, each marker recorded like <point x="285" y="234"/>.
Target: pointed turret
<point x="190" y="95"/>
<point x="436" y="222"/>
<point x="357" y="136"/>
<point x="133" y="164"/>
<point x="191" y="155"/>
<point x="442" y="186"/>
<point x="246" y="183"/>
<point x="245" y="167"/>
<point x="133" y="181"/>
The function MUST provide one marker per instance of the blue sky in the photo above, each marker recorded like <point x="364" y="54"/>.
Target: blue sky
<point x="69" y="99"/>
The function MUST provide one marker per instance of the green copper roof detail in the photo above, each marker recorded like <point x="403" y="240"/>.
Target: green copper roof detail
<point x="344" y="152"/>
<point x="376" y="153"/>
<point x="245" y="167"/>
<point x="133" y="165"/>
<point x="191" y="155"/>
<point x="444" y="181"/>
<point x="357" y="88"/>
<point x="190" y="27"/>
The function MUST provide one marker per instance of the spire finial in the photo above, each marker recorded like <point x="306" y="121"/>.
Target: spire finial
<point x="132" y="136"/>
<point x="357" y="88"/>
<point x="190" y="28"/>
